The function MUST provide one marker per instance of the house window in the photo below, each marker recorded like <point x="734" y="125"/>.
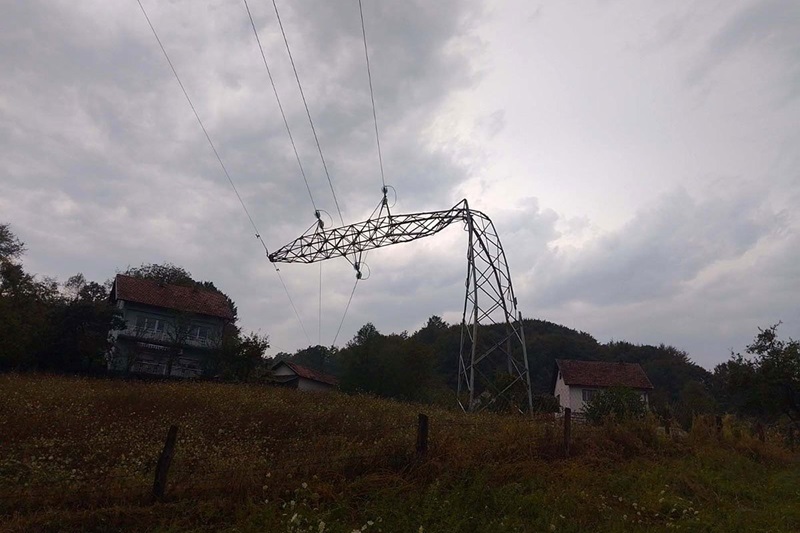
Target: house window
<point x="149" y="325"/>
<point x="199" y="332"/>
<point x="588" y="394"/>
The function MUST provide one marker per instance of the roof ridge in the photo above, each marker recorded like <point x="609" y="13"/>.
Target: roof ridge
<point x="199" y="300"/>
<point x="593" y="373"/>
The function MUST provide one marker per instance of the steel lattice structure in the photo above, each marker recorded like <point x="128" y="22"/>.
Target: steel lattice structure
<point x="489" y="299"/>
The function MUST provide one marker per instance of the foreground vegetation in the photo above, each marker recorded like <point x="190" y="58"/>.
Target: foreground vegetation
<point x="80" y="453"/>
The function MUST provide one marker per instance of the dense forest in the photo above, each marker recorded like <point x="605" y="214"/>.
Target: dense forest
<point x="64" y="327"/>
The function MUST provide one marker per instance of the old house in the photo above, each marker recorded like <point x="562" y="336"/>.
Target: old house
<point x="576" y="382"/>
<point x="170" y="330"/>
<point x="300" y="377"/>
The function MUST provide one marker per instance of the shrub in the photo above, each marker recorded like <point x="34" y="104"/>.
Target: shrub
<point x="617" y="403"/>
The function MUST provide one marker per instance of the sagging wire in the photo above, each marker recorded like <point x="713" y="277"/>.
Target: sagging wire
<point x="222" y="165"/>
<point x="280" y="105"/>
<point x="347" y="308"/>
<point x="308" y="112"/>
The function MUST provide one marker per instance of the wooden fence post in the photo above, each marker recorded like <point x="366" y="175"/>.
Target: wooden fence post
<point x="164" y="460"/>
<point x="719" y="426"/>
<point x="760" y="431"/>
<point x="422" y="434"/>
<point x="791" y="438"/>
<point x="567" y="430"/>
<point x="667" y="426"/>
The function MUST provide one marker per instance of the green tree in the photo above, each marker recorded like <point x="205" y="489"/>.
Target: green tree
<point x="25" y="307"/>
<point x="11" y="248"/>
<point x="766" y="383"/>
<point x="166" y="273"/>
<point x="248" y="357"/>
<point x="322" y="358"/>
<point x="394" y="366"/>
<point x="431" y="331"/>
<point x="81" y="322"/>
<point x="695" y="399"/>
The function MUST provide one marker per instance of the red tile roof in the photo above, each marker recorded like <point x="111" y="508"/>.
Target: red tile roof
<point x="179" y="298"/>
<point x="309" y="373"/>
<point x="603" y="374"/>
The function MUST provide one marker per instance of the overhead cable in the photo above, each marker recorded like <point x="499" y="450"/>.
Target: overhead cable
<point x="345" y="312"/>
<point x="372" y="96"/>
<point x="280" y="106"/>
<point x="308" y="113"/>
<point x="219" y="159"/>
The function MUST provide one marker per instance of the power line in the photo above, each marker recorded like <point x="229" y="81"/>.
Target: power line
<point x="345" y="311"/>
<point x="286" y="289"/>
<point x="372" y="95"/>
<point x="221" y="164"/>
<point x="308" y="113"/>
<point x="205" y="132"/>
<point x="294" y="148"/>
<point x="280" y="106"/>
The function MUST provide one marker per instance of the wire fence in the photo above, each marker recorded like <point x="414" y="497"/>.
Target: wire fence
<point x="275" y="466"/>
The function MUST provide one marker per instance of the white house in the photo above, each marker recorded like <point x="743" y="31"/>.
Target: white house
<point x="300" y="377"/>
<point x="576" y="382"/>
<point x="170" y="329"/>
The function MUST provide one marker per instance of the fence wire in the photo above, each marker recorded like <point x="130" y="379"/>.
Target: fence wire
<point x="275" y="463"/>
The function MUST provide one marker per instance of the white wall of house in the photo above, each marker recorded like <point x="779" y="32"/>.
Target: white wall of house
<point x="283" y="370"/>
<point x="561" y="392"/>
<point x="153" y="359"/>
<point x="172" y="323"/>
<point x="576" y="398"/>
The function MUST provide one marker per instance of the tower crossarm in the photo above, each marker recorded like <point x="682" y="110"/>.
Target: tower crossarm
<point x="493" y="371"/>
<point x="354" y="239"/>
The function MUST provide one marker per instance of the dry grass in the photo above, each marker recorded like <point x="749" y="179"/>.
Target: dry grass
<point x="79" y="454"/>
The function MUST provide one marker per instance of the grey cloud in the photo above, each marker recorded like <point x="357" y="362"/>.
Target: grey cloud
<point x="660" y="249"/>
<point x="769" y="26"/>
<point x="709" y="316"/>
<point x="105" y="165"/>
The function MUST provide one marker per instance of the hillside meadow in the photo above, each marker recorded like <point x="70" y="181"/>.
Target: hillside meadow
<point x="80" y="454"/>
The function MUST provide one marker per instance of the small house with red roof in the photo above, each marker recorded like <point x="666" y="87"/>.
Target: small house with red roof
<point x="301" y="377"/>
<point x="576" y="382"/>
<point x="170" y="329"/>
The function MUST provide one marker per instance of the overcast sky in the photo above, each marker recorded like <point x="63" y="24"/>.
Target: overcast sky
<point x="640" y="159"/>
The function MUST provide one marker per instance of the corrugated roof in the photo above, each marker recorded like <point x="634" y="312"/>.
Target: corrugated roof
<point x="179" y="298"/>
<point x="309" y="373"/>
<point x="603" y="374"/>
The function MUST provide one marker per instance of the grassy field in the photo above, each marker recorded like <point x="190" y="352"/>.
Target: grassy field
<point x="79" y="454"/>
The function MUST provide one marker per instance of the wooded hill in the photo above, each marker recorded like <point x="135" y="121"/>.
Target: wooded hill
<point x="427" y="359"/>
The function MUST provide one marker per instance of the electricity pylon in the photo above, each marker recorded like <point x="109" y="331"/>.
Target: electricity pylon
<point x="489" y="298"/>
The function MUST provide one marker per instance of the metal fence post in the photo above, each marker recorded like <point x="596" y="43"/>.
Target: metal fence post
<point x="567" y="429"/>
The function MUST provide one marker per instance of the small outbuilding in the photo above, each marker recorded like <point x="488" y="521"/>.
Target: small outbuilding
<point x="300" y="377"/>
<point x="576" y="382"/>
